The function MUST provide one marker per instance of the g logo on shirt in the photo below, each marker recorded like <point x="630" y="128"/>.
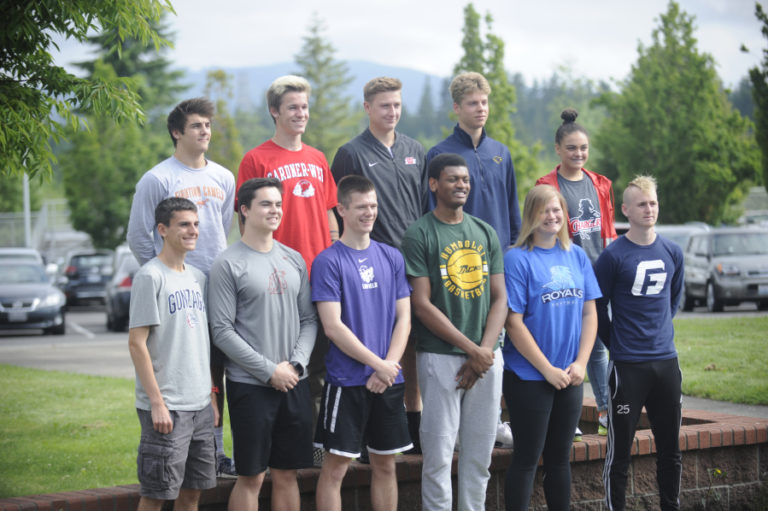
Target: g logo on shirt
<point x="651" y="276"/>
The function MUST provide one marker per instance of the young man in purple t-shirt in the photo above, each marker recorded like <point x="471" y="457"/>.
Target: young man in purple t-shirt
<point x="363" y="300"/>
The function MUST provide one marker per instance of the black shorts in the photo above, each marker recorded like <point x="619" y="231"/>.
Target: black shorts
<point x="351" y="416"/>
<point x="270" y="428"/>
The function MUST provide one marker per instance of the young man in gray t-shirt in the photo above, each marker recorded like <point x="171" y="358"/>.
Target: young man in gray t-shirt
<point x="169" y="346"/>
<point x="263" y="319"/>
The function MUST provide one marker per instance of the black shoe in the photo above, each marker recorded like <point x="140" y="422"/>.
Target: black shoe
<point x="414" y="421"/>
<point x="225" y="467"/>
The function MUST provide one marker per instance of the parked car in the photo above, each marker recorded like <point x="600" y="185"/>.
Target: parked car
<point x="119" y="290"/>
<point x="85" y="276"/>
<point x="21" y="253"/>
<point x="28" y="299"/>
<point x="727" y="266"/>
<point x="681" y="233"/>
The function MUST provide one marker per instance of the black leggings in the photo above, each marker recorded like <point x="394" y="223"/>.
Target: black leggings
<point x="657" y="386"/>
<point x="543" y="421"/>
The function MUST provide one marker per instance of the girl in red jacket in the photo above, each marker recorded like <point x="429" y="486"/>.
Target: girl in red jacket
<point x="589" y="197"/>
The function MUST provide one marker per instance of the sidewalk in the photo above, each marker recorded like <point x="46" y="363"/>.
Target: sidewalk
<point x="697" y="403"/>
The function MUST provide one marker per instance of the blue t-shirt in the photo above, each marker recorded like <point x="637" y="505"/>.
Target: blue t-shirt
<point x="366" y="283"/>
<point x="549" y="288"/>
<point x="643" y="284"/>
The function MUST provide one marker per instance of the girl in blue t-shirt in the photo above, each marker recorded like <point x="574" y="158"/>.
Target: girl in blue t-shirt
<point x="552" y="323"/>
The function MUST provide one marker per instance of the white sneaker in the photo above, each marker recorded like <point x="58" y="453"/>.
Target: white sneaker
<point x="504" y="435"/>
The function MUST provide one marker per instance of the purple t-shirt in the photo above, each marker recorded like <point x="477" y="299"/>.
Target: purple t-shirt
<point x="366" y="283"/>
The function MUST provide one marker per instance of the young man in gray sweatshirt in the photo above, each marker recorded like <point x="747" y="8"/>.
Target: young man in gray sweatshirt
<point x="263" y="319"/>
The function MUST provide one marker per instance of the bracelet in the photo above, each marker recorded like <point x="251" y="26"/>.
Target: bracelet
<point x="215" y="390"/>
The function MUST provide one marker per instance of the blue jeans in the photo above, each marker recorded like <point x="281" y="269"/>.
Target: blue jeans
<point x="597" y="369"/>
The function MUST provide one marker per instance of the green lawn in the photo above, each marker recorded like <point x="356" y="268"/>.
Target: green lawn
<point x="64" y="432"/>
<point x="724" y="359"/>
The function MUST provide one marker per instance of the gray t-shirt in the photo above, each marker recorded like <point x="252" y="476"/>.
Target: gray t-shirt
<point x="584" y="217"/>
<point x="211" y="188"/>
<point x="261" y="311"/>
<point x="172" y="304"/>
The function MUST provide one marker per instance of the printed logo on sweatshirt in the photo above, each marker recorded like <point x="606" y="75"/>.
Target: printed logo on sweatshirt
<point x="587" y="222"/>
<point x="277" y="282"/>
<point x="561" y="286"/>
<point x="294" y="170"/>
<point x="304" y="189"/>
<point x="366" y="275"/>
<point x="201" y="195"/>
<point x="185" y="299"/>
<point x="465" y="269"/>
<point x="650" y="278"/>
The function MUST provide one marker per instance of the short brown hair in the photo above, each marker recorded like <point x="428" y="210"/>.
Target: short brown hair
<point x="177" y="119"/>
<point x="467" y="83"/>
<point x="380" y="84"/>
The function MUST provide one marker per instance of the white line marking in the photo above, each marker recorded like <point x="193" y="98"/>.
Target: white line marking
<point x="80" y="330"/>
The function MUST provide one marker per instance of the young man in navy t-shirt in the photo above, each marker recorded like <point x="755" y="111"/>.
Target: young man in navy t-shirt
<point x="641" y="277"/>
<point x="363" y="300"/>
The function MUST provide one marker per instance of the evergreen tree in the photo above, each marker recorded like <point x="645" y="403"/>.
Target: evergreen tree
<point x="332" y="120"/>
<point x="225" y="148"/>
<point x="427" y="116"/>
<point x="759" y="78"/>
<point x="487" y="57"/>
<point x="741" y="98"/>
<point x="254" y="125"/>
<point x="673" y="120"/>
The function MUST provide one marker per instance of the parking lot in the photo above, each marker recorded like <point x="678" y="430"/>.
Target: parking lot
<point x="89" y="348"/>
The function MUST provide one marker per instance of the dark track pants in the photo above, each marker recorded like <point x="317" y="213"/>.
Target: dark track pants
<point x="657" y="386"/>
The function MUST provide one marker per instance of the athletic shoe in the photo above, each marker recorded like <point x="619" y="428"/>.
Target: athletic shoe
<point x="602" y="424"/>
<point x="318" y="455"/>
<point x="225" y="468"/>
<point x="503" y="435"/>
<point x="577" y="435"/>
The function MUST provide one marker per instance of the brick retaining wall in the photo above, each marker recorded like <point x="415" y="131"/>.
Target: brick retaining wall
<point x="737" y="447"/>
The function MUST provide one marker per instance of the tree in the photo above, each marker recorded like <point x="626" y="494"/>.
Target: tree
<point x="100" y="170"/>
<point x="111" y="158"/>
<point x="12" y="196"/>
<point x="333" y="121"/>
<point x="159" y="87"/>
<point x="673" y="120"/>
<point x="38" y="99"/>
<point x="759" y="78"/>
<point x="225" y="148"/>
<point x="487" y="57"/>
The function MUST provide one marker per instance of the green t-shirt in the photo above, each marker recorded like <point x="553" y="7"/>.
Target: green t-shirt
<point x="458" y="259"/>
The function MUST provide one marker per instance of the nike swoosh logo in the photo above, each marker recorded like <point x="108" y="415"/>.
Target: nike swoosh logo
<point x="372" y="164"/>
<point x="362" y="260"/>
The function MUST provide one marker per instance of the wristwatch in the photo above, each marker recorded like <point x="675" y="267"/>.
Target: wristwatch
<point x="299" y="368"/>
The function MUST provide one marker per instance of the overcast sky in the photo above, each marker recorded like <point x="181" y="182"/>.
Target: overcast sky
<point x="596" y="39"/>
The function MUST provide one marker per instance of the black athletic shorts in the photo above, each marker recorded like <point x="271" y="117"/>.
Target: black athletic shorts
<point x="353" y="416"/>
<point x="270" y="428"/>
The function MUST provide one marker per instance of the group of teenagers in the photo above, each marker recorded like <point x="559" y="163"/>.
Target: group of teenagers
<point x="386" y="303"/>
